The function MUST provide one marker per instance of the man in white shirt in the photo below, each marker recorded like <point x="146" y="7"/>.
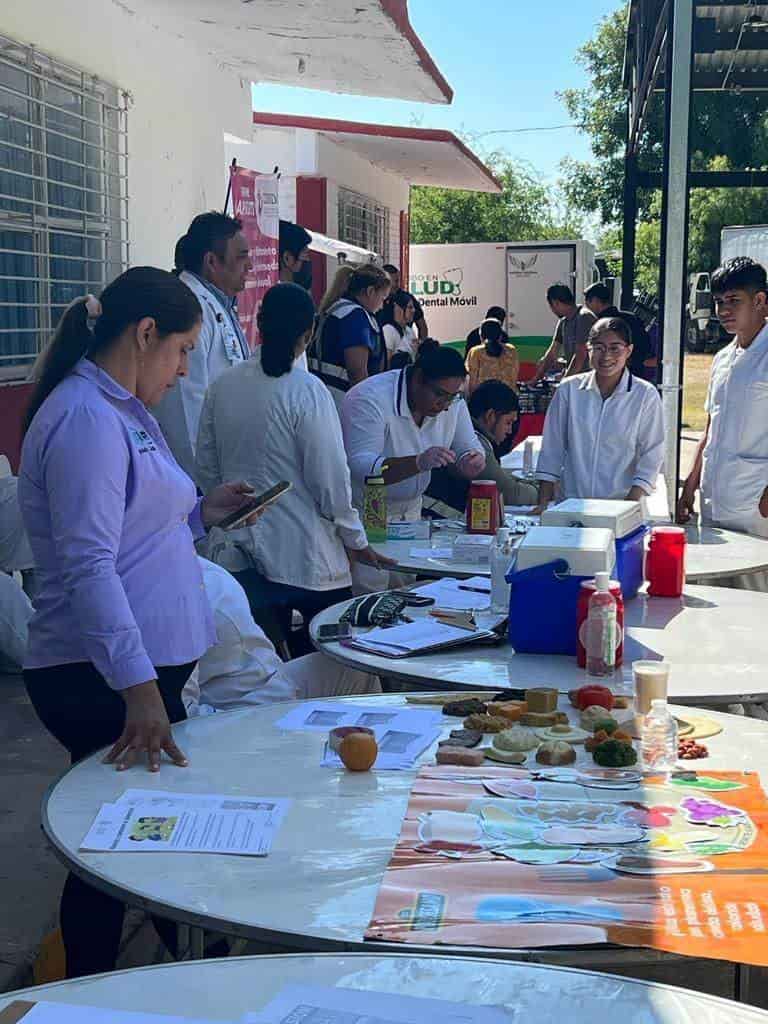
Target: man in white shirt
<point x="213" y="260"/>
<point x="403" y="424"/>
<point x="604" y="431"/>
<point x="731" y="464"/>
<point x="243" y="669"/>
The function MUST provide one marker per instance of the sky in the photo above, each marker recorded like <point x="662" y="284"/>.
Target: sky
<point x="505" y="66"/>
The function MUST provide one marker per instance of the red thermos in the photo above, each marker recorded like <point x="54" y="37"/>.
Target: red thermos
<point x="665" y="562"/>
<point x="483" y="507"/>
<point x="582" y="611"/>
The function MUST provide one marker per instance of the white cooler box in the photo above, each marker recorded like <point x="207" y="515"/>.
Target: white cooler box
<point x="586" y="551"/>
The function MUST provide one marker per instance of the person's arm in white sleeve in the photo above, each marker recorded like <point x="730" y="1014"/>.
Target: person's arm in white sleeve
<point x="650" y="444"/>
<point x="365" y="429"/>
<point x="324" y="467"/>
<point x="470" y="457"/>
<point x="549" y="467"/>
<point x="207" y="468"/>
<point x="179" y="413"/>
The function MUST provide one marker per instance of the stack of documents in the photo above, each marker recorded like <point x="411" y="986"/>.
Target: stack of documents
<point x="152" y="821"/>
<point x="423" y="636"/>
<point x="459" y="595"/>
<point x="402" y="734"/>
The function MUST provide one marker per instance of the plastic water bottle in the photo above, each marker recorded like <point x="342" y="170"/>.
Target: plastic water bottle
<point x="528" y="460"/>
<point x="601" y="629"/>
<point x="659" y="739"/>
<point x="501" y="556"/>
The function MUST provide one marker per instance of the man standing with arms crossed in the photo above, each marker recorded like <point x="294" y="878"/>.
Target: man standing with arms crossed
<point x="731" y="463"/>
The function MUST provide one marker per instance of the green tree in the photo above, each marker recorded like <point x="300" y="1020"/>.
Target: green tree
<point x="525" y="209"/>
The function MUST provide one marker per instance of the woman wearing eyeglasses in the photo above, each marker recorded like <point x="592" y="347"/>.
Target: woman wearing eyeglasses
<point x="404" y="423"/>
<point x="604" y="431"/>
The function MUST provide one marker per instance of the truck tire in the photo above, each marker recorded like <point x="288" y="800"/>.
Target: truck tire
<point x="693" y="339"/>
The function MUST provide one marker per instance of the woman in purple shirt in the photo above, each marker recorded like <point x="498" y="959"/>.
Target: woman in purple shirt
<point x="121" y="615"/>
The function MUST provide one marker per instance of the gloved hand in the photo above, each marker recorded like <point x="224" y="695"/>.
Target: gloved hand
<point x="434" y="458"/>
<point x="471" y="464"/>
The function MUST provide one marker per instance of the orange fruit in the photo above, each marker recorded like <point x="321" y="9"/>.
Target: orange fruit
<point x="358" y="751"/>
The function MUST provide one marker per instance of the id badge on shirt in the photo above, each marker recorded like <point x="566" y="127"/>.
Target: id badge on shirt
<point x="143" y="441"/>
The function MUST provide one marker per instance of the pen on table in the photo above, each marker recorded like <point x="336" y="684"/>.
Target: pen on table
<point x="475" y="590"/>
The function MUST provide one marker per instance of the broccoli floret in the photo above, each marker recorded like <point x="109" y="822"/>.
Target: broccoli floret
<point x="615" y="754"/>
<point x="609" y="725"/>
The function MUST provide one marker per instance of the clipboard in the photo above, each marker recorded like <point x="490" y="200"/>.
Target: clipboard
<point x="15" y="1012"/>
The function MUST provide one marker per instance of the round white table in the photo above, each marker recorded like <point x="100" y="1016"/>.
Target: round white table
<point x="714" y="637"/>
<point x="225" y="990"/>
<point x="317" y="888"/>
<point x="713" y="556"/>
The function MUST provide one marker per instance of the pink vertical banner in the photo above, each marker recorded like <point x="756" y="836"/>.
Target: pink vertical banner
<point x="254" y="202"/>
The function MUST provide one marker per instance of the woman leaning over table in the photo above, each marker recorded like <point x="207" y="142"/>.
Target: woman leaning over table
<point x="121" y="615"/>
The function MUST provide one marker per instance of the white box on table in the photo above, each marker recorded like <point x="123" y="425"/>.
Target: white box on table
<point x="474" y="548"/>
<point x="622" y="517"/>
<point x="409" y="529"/>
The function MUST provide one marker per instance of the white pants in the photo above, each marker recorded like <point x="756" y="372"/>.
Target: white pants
<point x="15" y="612"/>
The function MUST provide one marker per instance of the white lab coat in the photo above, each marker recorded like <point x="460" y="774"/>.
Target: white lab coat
<point x="15" y="612"/>
<point x="15" y="552"/>
<point x="735" y="464"/>
<point x="266" y="429"/>
<point x="243" y="670"/>
<point x="218" y="347"/>
<point x="601" y="449"/>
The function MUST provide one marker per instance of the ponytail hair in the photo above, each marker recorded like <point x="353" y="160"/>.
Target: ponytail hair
<point x="287" y="312"/>
<point x="491" y="334"/>
<point x="351" y="279"/>
<point x="138" y="293"/>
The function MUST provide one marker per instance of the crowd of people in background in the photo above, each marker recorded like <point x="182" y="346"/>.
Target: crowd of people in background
<point x="152" y="422"/>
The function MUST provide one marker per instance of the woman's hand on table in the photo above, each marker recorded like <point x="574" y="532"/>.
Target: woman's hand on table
<point x="225" y="499"/>
<point x="147" y="729"/>
<point x="368" y="556"/>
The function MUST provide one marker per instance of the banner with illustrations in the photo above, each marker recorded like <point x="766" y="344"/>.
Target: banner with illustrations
<point x="495" y="858"/>
<point x="255" y="203"/>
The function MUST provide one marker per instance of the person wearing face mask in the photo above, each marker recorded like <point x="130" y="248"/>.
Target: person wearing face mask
<point x="295" y="259"/>
<point x="269" y="420"/>
<point x="348" y="346"/>
<point x="213" y="261"/>
<point x="604" y="431"/>
<point x="120" y="613"/>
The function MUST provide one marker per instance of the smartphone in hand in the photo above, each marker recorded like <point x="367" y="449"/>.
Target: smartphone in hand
<point x="253" y="504"/>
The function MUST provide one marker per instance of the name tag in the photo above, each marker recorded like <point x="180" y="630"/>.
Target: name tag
<point x="143" y="442"/>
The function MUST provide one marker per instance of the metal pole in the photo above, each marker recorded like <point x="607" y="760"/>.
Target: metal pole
<point x="629" y="230"/>
<point x="675" y="228"/>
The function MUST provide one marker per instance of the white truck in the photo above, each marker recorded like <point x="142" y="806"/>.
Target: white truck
<point x="457" y="283"/>
<point x="703" y="331"/>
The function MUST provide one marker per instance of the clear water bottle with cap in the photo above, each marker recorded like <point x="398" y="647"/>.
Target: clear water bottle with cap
<point x="528" y="471"/>
<point x="601" y="629"/>
<point x="501" y="556"/>
<point x="659" y="739"/>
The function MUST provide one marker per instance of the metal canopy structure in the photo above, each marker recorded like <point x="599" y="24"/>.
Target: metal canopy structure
<point x="676" y="48"/>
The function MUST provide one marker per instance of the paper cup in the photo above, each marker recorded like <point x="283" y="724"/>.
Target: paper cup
<point x="650" y="680"/>
<point x="335" y="736"/>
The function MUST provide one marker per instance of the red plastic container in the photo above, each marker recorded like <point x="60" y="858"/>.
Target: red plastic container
<point x="665" y="562"/>
<point x="582" y="611"/>
<point x="483" y="507"/>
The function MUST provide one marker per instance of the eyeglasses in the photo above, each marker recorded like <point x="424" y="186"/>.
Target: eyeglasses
<point x="611" y="350"/>
<point x="445" y="397"/>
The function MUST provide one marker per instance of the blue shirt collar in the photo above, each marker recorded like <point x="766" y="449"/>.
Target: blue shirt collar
<point x="86" y="368"/>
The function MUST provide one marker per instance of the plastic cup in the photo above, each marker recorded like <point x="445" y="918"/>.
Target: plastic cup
<point x="650" y="679"/>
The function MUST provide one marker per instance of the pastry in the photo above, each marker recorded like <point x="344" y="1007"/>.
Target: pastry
<point x="541" y="699"/>
<point x="516" y="739"/>
<point x="594" y="714"/>
<point x="486" y="723"/>
<point x="505" y="756"/>
<point x="461" y="756"/>
<point x="462" y="738"/>
<point x="556" y="752"/>
<point x="511" y="709"/>
<point x="462" y="708"/>
<point x="569" y="733"/>
<point x="542" y="721"/>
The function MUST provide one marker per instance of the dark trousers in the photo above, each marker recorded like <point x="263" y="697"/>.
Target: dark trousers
<point x="282" y="600"/>
<point x="77" y="706"/>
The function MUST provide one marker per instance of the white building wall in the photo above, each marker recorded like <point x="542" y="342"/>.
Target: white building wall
<point x="182" y="105"/>
<point x="346" y="169"/>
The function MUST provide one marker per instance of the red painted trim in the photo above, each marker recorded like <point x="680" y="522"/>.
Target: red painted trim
<point x="381" y="131"/>
<point x="14" y="399"/>
<point x="312" y="214"/>
<point x="397" y="11"/>
<point x="405" y="247"/>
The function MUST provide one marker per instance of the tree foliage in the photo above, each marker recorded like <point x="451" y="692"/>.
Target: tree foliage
<point x="525" y="209"/>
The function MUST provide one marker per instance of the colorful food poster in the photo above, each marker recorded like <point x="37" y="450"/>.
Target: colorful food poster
<point x="502" y="858"/>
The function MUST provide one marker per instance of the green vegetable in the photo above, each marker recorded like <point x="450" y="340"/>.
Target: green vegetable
<point x="609" y="725"/>
<point x="615" y="754"/>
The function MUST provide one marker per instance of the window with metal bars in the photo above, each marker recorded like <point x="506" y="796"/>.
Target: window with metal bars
<point x="363" y="222"/>
<point x="63" y="195"/>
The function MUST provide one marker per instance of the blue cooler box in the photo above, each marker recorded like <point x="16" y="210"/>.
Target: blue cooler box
<point x="624" y="518"/>
<point x="545" y="578"/>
